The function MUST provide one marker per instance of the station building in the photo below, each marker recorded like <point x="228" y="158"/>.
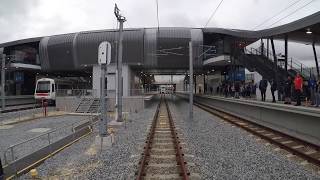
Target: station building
<point x="148" y="52"/>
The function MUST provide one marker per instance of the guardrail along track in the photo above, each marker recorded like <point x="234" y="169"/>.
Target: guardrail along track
<point x="162" y="157"/>
<point x="22" y="107"/>
<point x="305" y="150"/>
<point x="16" y="165"/>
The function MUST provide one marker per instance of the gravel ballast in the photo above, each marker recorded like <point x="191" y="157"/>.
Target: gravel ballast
<point x="226" y="152"/>
<point x="85" y="160"/>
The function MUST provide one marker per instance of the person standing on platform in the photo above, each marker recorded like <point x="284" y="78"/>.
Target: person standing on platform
<point x="317" y="92"/>
<point x="298" y="82"/>
<point x="249" y="90"/>
<point x="263" y="88"/>
<point x="226" y="90"/>
<point x="280" y="91"/>
<point x="287" y="90"/>
<point x="305" y="92"/>
<point x="273" y="89"/>
<point x="237" y="90"/>
<point x="1" y="171"/>
<point x="254" y="89"/>
<point x="312" y="87"/>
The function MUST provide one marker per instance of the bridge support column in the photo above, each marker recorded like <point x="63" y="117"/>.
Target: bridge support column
<point x="315" y="58"/>
<point x="286" y="52"/>
<point x="276" y="77"/>
<point x="204" y="84"/>
<point x="268" y="48"/>
<point x="275" y="60"/>
<point x="195" y="83"/>
<point x="3" y="81"/>
<point x="262" y="47"/>
<point x="185" y="85"/>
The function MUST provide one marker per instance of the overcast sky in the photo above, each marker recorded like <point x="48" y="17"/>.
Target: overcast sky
<point x="30" y="18"/>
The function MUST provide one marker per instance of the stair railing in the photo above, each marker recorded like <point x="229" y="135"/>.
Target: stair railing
<point x="295" y="65"/>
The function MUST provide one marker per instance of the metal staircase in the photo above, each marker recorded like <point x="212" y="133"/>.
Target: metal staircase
<point x="263" y="63"/>
<point x="88" y="105"/>
<point x="95" y="106"/>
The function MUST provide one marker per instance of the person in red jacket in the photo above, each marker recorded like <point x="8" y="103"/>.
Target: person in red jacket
<point x="298" y="82"/>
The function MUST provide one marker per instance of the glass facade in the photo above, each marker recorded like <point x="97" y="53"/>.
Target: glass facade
<point x="21" y="81"/>
<point x="25" y="53"/>
<point x="215" y="45"/>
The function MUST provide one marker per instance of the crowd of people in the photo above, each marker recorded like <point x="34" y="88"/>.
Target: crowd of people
<point x="291" y="90"/>
<point x="237" y="89"/>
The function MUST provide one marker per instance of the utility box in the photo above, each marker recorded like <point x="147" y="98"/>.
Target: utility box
<point x="104" y="54"/>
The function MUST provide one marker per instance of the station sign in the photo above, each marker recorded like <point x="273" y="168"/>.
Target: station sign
<point x="104" y="53"/>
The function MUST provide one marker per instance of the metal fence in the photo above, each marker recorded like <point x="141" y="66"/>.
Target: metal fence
<point x="76" y="92"/>
<point x="27" y="147"/>
<point x="17" y="116"/>
<point x="93" y="92"/>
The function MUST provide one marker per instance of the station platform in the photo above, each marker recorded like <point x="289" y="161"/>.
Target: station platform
<point x="304" y="106"/>
<point x="297" y="121"/>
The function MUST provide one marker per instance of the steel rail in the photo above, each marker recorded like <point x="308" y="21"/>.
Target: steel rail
<point x="147" y="149"/>
<point x="222" y="115"/>
<point x="148" y="142"/>
<point x="184" y="171"/>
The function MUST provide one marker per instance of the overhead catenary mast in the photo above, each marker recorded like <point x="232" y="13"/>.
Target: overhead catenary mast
<point x="119" y="93"/>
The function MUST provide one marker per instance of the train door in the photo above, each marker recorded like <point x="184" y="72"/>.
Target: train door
<point x="53" y="90"/>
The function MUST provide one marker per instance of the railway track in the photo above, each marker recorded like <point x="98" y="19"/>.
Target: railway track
<point x="305" y="150"/>
<point x="162" y="157"/>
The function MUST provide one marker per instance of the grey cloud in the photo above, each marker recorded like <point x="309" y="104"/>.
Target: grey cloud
<point x="16" y="7"/>
<point x="19" y="18"/>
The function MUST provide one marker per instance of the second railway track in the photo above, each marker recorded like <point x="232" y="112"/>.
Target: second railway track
<point x="305" y="150"/>
<point x="163" y="157"/>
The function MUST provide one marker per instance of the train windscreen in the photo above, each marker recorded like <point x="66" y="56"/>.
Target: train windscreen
<point x="43" y="87"/>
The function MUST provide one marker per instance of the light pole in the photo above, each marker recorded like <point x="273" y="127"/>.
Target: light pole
<point x="3" y="79"/>
<point x="119" y="93"/>
<point x="104" y="58"/>
<point x="190" y="82"/>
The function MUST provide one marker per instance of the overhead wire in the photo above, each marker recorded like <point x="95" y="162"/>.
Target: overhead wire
<point x="213" y="13"/>
<point x="291" y="13"/>
<point x="278" y="13"/>
<point x="209" y="20"/>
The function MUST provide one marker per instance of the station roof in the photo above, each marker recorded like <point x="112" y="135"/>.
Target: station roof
<point x="295" y="30"/>
<point x="20" y="41"/>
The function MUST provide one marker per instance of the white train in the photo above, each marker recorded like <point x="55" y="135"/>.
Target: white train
<point x="166" y="89"/>
<point x="46" y="89"/>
